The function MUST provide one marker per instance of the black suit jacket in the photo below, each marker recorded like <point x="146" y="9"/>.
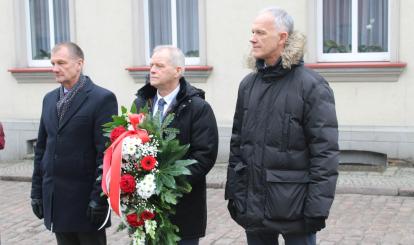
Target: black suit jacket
<point x="68" y="156"/>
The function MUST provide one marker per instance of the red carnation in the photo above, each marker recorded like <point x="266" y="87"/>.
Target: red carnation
<point x="127" y="183"/>
<point x="116" y="132"/>
<point x="148" y="163"/>
<point x="146" y="215"/>
<point x="133" y="220"/>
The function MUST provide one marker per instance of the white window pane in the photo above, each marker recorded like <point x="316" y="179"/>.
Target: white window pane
<point x="373" y="25"/>
<point x="159" y="22"/>
<point x="40" y="30"/>
<point x="337" y="26"/>
<point x="187" y="27"/>
<point x="61" y="20"/>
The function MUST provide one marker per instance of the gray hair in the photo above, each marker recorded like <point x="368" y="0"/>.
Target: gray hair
<point x="74" y="50"/>
<point x="282" y="19"/>
<point x="176" y="58"/>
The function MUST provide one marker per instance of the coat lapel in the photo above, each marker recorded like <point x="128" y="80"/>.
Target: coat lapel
<point x="76" y="103"/>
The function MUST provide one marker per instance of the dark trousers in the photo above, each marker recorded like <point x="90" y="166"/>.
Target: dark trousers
<point x="271" y="239"/>
<point x="81" y="238"/>
<point x="189" y="241"/>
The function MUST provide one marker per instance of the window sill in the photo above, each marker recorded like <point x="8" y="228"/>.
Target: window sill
<point x="194" y="74"/>
<point x="359" y="71"/>
<point x="33" y="75"/>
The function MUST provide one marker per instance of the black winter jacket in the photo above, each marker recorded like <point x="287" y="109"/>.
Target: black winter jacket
<point x="197" y="124"/>
<point x="284" y="150"/>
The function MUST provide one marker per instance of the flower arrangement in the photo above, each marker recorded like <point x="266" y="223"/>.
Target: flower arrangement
<point x="144" y="176"/>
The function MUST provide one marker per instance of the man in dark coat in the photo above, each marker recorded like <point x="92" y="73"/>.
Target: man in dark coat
<point x="283" y="162"/>
<point x="168" y="92"/>
<point x="66" y="189"/>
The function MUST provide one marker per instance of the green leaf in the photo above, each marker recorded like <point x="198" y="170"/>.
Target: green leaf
<point x="169" y="197"/>
<point x="184" y="186"/>
<point x="185" y="163"/>
<point x="133" y="108"/>
<point x="108" y="124"/>
<point x="167" y="120"/>
<point x="121" y="227"/>
<point x="177" y="169"/>
<point x="159" y="185"/>
<point x="107" y="130"/>
<point x="172" y="151"/>
<point x="123" y="110"/>
<point x="167" y="180"/>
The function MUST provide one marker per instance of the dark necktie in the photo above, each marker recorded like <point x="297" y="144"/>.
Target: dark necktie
<point x="161" y="103"/>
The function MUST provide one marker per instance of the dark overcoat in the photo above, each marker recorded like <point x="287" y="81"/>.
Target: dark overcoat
<point x="68" y="156"/>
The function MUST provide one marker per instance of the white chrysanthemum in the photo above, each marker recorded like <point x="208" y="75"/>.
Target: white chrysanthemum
<point x="129" y="145"/>
<point x="146" y="187"/>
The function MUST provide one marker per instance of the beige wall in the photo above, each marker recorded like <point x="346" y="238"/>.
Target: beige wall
<point x="104" y="29"/>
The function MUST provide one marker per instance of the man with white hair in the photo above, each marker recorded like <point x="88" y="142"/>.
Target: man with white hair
<point x="283" y="161"/>
<point x="168" y="92"/>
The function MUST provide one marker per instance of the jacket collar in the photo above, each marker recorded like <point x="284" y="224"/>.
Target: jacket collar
<point x="148" y="92"/>
<point x="77" y="102"/>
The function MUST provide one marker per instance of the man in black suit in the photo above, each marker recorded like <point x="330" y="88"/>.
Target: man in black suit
<point x="65" y="185"/>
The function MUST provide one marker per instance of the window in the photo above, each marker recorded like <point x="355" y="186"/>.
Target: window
<point x="47" y="23"/>
<point x="173" y="22"/>
<point x="353" y="30"/>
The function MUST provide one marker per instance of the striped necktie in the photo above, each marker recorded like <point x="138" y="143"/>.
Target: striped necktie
<point x="161" y="103"/>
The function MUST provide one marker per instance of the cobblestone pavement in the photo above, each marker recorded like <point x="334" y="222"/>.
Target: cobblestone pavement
<point x="354" y="219"/>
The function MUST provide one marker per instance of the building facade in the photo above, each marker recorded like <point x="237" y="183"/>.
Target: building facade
<point x="363" y="48"/>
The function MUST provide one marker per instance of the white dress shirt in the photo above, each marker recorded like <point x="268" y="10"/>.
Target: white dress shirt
<point x="169" y="99"/>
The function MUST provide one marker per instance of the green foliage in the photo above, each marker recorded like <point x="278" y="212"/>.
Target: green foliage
<point x="170" y="177"/>
<point x="370" y="48"/>
<point x="330" y="46"/>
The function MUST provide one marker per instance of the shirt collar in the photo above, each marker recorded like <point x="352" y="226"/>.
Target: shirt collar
<point x="170" y="97"/>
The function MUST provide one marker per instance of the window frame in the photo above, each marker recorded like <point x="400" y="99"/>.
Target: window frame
<point x="22" y="33"/>
<point x="356" y="56"/>
<point x="188" y="60"/>
<point x="32" y="62"/>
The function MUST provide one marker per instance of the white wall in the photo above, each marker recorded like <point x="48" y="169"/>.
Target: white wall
<point x="104" y="30"/>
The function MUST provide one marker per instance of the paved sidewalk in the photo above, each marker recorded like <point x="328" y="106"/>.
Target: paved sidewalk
<point x="354" y="219"/>
<point x="394" y="181"/>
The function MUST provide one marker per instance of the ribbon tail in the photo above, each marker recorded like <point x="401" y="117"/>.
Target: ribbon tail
<point x="106" y="219"/>
<point x="106" y="167"/>
<point x="114" y="194"/>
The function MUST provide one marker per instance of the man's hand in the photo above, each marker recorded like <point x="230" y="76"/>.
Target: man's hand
<point x="37" y="207"/>
<point x="312" y="225"/>
<point x="96" y="213"/>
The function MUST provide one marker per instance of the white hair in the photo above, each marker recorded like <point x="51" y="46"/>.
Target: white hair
<point x="282" y="19"/>
<point x="176" y="56"/>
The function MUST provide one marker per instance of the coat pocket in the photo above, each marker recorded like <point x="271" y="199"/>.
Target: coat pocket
<point x="286" y="194"/>
<point x="236" y="186"/>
